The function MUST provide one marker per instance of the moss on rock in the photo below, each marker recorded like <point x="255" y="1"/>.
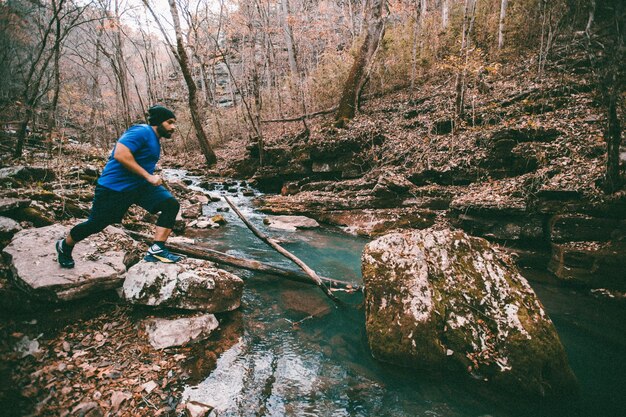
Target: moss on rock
<point x="440" y="300"/>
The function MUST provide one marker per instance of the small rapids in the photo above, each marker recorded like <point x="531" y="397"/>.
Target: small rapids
<point x="295" y="354"/>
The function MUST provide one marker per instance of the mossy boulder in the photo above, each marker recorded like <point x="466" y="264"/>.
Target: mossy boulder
<point x="441" y="302"/>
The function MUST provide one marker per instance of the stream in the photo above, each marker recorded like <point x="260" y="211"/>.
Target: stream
<point x="296" y="354"/>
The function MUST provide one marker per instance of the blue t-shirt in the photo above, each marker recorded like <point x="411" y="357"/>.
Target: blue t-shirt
<point x="145" y="147"/>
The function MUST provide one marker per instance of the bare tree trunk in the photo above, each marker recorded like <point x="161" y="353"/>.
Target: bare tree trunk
<point x="468" y="24"/>
<point x="180" y="54"/>
<point x="445" y="13"/>
<point x="183" y="61"/>
<point x="419" y="13"/>
<point x="503" y="5"/>
<point x="95" y="86"/>
<point x="612" y="179"/>
<point x="362" y="63"/>
<point x="291" y="49"/>
<point x="121" y="67"/>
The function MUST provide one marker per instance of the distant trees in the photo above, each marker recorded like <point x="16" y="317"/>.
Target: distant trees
<point x="232" y="67"/>
<point x="48" y="24"/>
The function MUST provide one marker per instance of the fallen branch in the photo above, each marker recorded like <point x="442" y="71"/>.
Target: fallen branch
<point x="272" y="243"/>
<point x="248" y="264"/>
<point x="300" y="118"/>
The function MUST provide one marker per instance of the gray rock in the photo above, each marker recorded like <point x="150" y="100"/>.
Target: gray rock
<point x="8" y="226"/>
<point x="24" y="173"/>
<point x="190" y="284"/>
<point x="290" y="223"/>
<point x="164" y="333"/>
<point x="441" y="301"/>
<point x="99" y="262"/>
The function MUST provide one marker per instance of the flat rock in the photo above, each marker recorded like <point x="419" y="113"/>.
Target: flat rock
<point x="290" y="223"/>
<point x="164" y="333"/>
<point x="441" y="301"/>
<point x="376" y="222"/>
<point x="190" y="284"/>
<point x="99" y="262"/>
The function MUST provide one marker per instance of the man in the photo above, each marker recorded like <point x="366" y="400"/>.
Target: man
<point x="128" y="178"/>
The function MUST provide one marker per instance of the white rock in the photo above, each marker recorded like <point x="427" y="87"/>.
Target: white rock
<point x="190" y="284"/>
<point x="290" y="223"/>
<point x="164" y="333"/>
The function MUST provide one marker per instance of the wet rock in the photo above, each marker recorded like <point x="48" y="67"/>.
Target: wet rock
<point x="290" y="223"/>
<point x="99" y="262"/>
<point x="203" y="223"/>
<point x="23" y="173"/>
<point x="200" y="198"/>
<point x="190" y="284"/>
<point x="219" y="219"/>
<point x="191" y="211"/>
<point x="441" y="301"/>
<point x="164" y="333"/>
<point x="590" y="264"/>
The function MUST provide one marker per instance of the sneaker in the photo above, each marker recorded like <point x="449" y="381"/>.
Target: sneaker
<point x="157" y="253"/>
<point x="64" y="256"/>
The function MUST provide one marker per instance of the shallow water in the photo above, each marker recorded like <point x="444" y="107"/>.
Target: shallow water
<point x="298" y="355"/>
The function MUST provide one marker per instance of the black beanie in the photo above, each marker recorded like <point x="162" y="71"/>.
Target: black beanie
<point x="158" y="114"/>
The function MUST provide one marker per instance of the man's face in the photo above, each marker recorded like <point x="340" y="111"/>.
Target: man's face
<point x="167" y="128"/>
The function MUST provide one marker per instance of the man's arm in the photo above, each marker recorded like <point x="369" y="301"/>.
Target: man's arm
<point x="124" y="156"/>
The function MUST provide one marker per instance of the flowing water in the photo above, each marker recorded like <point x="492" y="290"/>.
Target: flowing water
<point x="298" y="355"/>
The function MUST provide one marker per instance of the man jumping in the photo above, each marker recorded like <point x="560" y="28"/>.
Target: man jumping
<point x="128" y="178"/>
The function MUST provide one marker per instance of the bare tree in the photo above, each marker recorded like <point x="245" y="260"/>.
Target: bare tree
<point x="361" y="67"/>
<point x="54" y="26"/>
<point x="469" y="13"/>
<point x="503" y="5"/>
<point x="182" y="58"/>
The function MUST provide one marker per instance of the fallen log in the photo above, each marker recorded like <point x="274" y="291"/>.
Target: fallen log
<point x="273" y="244"/>
<point x="248" y="264"/>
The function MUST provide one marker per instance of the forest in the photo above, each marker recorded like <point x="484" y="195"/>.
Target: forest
<point x="446" y="171"/>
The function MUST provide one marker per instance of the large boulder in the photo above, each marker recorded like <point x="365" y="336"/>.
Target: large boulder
<point x="101" y="262"/>
<point x="441" y="301"/>
<point x="191" y="284"/>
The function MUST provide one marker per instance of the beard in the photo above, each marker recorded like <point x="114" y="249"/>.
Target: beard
<point x="163" y="132"/>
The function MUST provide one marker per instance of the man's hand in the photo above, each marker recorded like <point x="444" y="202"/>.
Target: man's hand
<point x="155" y="180"/>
